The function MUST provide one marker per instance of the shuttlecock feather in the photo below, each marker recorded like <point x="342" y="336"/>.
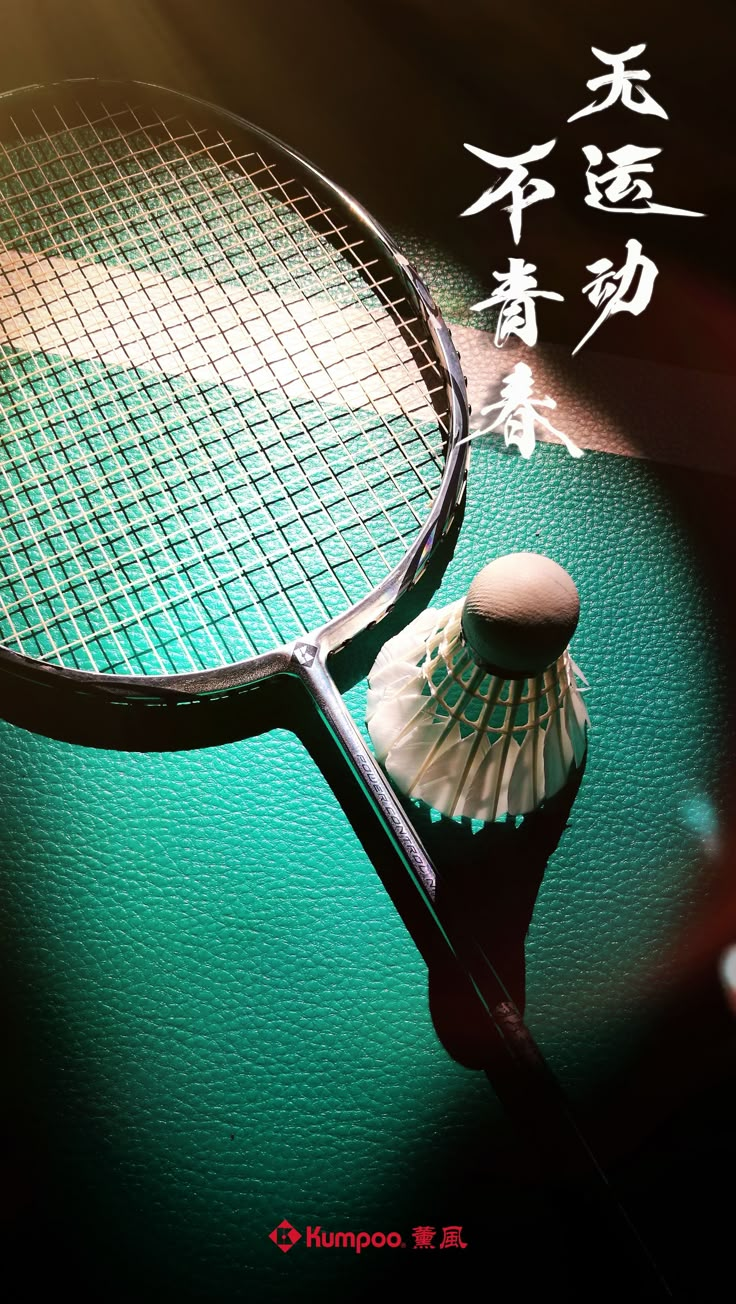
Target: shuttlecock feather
<point x="463" y="735"/>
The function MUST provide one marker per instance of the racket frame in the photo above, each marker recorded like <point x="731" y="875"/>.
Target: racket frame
<point x="305" y="658"/>
<point x="291" y="657"/>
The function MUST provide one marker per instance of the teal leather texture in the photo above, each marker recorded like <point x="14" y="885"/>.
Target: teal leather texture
<point x="215" y="1018"/>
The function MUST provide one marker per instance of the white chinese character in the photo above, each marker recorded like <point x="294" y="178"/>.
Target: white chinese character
<point x="523" y="192"/>
<point x="607" y="189"/>
<point x="518" y="414"/>
<point x="603" y="289"/>
<point x="515" y="295"/>
<point x="619" y="83"/>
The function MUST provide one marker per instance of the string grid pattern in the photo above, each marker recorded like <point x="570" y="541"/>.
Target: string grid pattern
<point x="221" y="424"/>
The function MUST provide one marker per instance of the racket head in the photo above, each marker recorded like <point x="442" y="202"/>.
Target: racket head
<point x="112" y="193"/>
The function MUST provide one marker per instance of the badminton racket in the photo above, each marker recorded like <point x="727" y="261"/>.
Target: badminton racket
<point x="231" y="426"/>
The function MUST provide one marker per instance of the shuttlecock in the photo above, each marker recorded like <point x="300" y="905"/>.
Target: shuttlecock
<point x="475" y="708"/>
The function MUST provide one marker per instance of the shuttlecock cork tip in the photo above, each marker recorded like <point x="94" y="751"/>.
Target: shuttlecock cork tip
<point x="520" y="614"/>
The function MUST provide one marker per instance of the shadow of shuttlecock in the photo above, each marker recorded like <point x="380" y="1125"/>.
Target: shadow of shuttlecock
<point x="488" y="879"/>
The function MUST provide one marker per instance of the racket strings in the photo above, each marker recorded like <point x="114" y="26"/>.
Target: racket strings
<point x="397" y="392"/>
<point x="278" y="186"/>
<point x="120" y="596"/>
<point x="66" y="560"/>
<point x="174" y="534"/>
<point x="282" y="187"/>
<point x="375" y="505"/>
<point x="379" y="321"/>
<point x="371" y="513"/>
<point x="112" y="564"/>
<point x="133" y="462"/>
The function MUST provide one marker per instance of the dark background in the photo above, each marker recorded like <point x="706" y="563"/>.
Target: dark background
<point x="381" y="95"/>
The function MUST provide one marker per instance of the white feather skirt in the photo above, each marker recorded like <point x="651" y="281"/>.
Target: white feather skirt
<point x="466" y="742"/>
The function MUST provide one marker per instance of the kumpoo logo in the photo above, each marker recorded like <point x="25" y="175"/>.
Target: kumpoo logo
<point x="352" y="1240"/>
<point x="285" y="1236"/>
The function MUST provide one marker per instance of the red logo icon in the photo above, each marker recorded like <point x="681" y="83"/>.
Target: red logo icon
<point x="285" y="1236"/>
